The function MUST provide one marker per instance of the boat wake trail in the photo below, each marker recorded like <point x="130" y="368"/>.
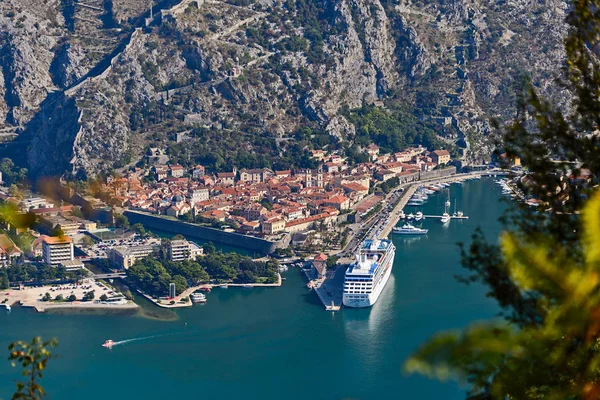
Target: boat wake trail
<point x="121" y="342"/>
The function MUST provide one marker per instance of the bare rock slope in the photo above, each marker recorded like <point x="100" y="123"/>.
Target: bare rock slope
<point x="90" y="85"/>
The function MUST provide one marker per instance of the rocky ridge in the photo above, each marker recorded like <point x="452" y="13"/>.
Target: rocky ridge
<point x="88" y="91"/>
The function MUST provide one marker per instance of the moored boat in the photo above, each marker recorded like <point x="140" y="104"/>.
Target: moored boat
<point x="198" y="297"/>
<point x="408" y="229"/>
<point x="366" y="277"/>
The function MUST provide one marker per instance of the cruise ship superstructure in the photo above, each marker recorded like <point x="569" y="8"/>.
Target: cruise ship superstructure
<point x="367" y="276"/>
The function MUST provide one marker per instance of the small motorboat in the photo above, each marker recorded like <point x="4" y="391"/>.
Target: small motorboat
<point x="108" y="344"/>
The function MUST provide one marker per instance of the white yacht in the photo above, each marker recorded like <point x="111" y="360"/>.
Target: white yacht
<point x="408" y="229"/>
<point x="410" y="216"/>
<point x="419" y="216"/>
<point x="198" y="298"/>
<point x="367" y="276"/>
<point x="445" y="218"/>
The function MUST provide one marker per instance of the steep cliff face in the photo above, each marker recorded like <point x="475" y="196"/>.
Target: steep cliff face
<point x="264" y="70"/>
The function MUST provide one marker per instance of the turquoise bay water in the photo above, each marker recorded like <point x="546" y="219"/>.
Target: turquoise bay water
<point x="274" y="343"/>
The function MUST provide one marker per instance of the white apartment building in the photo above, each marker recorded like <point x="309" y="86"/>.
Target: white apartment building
<point x="57" y="249"/>
<point x="181" y="250"/>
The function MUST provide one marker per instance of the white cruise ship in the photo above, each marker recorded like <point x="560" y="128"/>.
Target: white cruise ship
<point x="367" y="276"/>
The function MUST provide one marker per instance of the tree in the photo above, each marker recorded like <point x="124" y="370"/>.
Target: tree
<point x="4" y="283"/>
<point x="209" y="248"/>
<point x="13" y="191"/>
<point x="139" y="229"/>
<point x="47" y="297"/>
<point x="544" y="274"/>
<point x="89" y="296"/>
<point x="121" y="221"/>
<point x="59" y="297"/>
<point x="72" y="298"/>
<point x="332" y="261"/>
<point x="104" y="297"/>
<point x="178" y="237"/>
<point x="33" y="358"/>
<point x="87" y="241"/>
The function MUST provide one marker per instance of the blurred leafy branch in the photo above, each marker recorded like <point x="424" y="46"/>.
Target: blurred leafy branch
<point x="33" y="358"/>
<point x="544" y="273"/>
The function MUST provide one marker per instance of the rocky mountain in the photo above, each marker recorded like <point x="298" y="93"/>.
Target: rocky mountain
<point x="89" y="85"/>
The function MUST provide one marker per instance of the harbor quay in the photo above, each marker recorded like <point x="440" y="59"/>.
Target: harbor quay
<point x="329" y="287"/>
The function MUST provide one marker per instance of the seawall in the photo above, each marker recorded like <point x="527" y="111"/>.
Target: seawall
<point x="152" y="221"/>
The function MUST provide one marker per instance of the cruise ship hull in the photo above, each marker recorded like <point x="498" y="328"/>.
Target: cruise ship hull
<point x="372" y="297"/>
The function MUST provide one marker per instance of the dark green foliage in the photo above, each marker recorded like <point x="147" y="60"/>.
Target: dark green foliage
<point x="4" y="282"/>
<point x="89" y="296"/>
<point x="392" y="131"/>
<point x="154" y="276"/>
<point x="23" y="273"/>
<point x="390" y="184"/>
<point x="221" y="150"/>
<point x="11" y="174"/>
<point x="544" y="275"/>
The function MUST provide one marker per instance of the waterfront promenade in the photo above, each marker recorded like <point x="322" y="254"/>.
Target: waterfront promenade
<point x="380" y="225"/>
<point x="31" y="297"/>
<point x="179" y="301"/>
<point x="329" y="289"/>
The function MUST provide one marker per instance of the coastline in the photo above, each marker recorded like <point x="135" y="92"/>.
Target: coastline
<point x="31" y="297"/>
<point x="186" y="293"/>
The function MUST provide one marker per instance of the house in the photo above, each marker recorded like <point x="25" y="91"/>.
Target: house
<point x="161" y="172"/>
<point x="339" y="202"/>
<point x="332" y="167"/>
<point x="177" y="171"/>
<point x="384" y="174"/>
<point x="253" y="211"/>
<point x="273" y="225"/>
<point x="218" y="215"/>
<point x="403" y="156"/>
<point x="9" y="252"/>
<point x="255" y="175"/>
<point x="393" y="166"/>
<point x="197" y="195"/>
<point x="198" y="172"/>
<point x="226" y="178"/>
<point x="319" y="265"/>
<point x="283" y="174"/>
<point x="440" y="157"/>
<point x="373" y="151"/>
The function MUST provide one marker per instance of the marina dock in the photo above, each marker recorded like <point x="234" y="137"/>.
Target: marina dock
<point x="452" y="216"/>
<point x="394" y="215"/>
<point x="330" y="289"/>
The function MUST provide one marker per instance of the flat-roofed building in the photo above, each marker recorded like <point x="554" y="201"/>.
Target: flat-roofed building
<point x="72" y="265"/>
<point x="182" y="250"/>
<point x="124" y="257"/>
<point x="57" y="249"/>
